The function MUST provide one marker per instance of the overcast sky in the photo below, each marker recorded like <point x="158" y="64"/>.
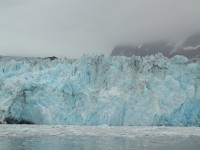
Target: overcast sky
<point x="73" y="27"/>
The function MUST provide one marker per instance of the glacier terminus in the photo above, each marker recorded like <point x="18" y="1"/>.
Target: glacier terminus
<point x="101" y="90"/>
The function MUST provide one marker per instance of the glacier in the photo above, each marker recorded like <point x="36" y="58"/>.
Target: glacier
<point x="101" y="90"/>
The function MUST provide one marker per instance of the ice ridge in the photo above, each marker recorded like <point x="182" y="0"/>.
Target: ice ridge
<point x="98" y="90"/>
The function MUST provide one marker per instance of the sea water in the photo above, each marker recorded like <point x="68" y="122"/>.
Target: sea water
<point x="99" y="143"/>
<point x="23" y="137"/>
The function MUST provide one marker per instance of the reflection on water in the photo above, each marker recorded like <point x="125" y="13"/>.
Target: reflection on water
<point x="99" y="143"/>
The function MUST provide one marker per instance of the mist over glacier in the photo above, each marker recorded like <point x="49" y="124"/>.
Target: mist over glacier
<point x="98" y="90"/>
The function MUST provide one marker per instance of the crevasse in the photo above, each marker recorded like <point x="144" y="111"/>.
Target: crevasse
<point x="98" y="90"/>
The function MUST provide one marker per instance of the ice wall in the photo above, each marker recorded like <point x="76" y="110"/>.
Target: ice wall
<point x="97" y="90"/>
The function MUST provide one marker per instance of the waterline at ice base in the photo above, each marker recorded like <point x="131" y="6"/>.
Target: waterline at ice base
<point x="101" y="90"/>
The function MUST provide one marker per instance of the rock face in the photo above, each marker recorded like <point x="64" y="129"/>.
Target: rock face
<point x="97" y="90"/>
<point x="190" y="48"/>
<point x="51" y="58"/>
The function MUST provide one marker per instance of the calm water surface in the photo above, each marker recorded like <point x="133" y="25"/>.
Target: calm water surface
<point x="99" y="143"/>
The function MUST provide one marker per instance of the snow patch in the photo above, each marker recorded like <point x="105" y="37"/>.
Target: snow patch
<point x="191" y="47"/>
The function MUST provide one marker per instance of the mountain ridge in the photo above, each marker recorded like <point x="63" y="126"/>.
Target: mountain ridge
<point x="189" y="48"/>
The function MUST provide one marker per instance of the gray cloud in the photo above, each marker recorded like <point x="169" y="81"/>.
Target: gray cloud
<point x="73" y="27"/>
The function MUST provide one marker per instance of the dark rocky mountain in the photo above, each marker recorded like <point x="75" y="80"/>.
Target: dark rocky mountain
<point x="51" y="58"/>
<point x="189" y="48"/>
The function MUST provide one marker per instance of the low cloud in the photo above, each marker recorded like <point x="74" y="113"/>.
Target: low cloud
<point x="73" y="27"/>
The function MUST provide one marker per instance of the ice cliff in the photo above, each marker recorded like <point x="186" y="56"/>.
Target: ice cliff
<point x="97" y="90"/>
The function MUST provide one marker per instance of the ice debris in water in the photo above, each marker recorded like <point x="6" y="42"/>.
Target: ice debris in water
<point x="99" y="90"/>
